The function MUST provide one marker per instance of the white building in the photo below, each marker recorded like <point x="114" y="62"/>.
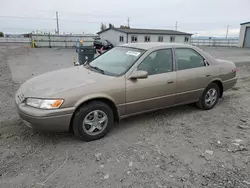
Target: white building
<point x="120" y="36"/>
<point x="244" y="38"/>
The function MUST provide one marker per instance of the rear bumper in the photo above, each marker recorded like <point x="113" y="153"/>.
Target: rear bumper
<point x="45" y="120"/>
<point x="229" y="83"/>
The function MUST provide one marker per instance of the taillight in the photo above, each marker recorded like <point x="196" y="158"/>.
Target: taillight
<point x="235" y="70"/>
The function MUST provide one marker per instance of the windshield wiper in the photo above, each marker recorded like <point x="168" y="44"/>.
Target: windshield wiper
<point x="93" y="67"/>
<point x="86" y="63"/>
<point x="97" y="68"/>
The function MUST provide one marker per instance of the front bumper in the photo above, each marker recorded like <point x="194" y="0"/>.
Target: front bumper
<point x="46" y="120"/>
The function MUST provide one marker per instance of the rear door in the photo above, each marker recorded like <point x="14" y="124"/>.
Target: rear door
<point x="156" y="91"/>
<point x="193" y="74"/>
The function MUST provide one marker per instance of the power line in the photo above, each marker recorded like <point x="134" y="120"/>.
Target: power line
<point x="77" y="13"/>
<point x="80" y="21"/>
<point x="85" y="14"/>
<point x="22" y="17"/>
<point x="34" y="18"/>
<point x="25" y="28"/>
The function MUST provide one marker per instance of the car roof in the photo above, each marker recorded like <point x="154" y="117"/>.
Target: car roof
<point x="150" y="45"/>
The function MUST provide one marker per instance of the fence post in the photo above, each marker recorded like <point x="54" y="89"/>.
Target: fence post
<point x="31" y="40"/>
<point x="65" y="41"/>
<point x="49" y="41"/>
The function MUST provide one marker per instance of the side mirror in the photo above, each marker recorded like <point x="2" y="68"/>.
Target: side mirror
<point x="139" y="75"/>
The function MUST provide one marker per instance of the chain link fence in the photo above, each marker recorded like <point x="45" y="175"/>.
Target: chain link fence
<point x="215" y="42"/>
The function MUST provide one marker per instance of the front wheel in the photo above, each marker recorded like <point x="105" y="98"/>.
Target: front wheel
<point x="209" y="97"/>
<point x="92" y="121"/>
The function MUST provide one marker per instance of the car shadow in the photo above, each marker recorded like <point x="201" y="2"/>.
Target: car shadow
<point x="28" y="134"/>
<point x="168" y="112"/>
<point x="119" y="127"/>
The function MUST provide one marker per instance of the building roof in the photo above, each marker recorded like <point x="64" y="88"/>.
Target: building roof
<point x="147" y="31"/>
<point x="149" y="45"/>
<point x="245" y="23"/>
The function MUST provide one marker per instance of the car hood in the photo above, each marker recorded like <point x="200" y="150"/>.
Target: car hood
<point x="51" y="83"/>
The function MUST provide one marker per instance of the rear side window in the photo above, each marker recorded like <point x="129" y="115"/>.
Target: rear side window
<point x="187" y="58"/>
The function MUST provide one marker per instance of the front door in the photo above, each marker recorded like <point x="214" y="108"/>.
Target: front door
<point x="193" y="75"/>
<point x="156" y="91"/>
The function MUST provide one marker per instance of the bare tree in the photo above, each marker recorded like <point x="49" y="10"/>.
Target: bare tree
<point x="103" y="26"/>
<point x="111" y="25"/>
<point x="124" y="27"/>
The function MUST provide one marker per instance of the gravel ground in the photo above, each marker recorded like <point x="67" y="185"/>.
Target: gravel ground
<point x="239" y="55"/>
<point x="178" y="147"/>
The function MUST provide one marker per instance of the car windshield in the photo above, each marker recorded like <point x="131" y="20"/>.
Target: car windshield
<point x="116" y="61"/>
<point x="107" y="42"/>
<point x="104" y="42"/>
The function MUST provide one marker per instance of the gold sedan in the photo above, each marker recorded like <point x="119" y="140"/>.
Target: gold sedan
<point x="125" y="81"/>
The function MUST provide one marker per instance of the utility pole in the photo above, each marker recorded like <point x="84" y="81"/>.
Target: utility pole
<point x="57" y="23"/>
<point x="176" y="25"/>
<point x="128" y="21"/>
<point x="227" y="31"/>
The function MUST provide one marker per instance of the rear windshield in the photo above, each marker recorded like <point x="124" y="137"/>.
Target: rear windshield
<point x="117" y="61"/>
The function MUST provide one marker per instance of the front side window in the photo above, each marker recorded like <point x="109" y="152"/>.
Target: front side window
<point x="147" y="39"/>
<point x="157" y="62"/>
<point x="188" y="58"/>
<point x="133" y="38"/>
<point x="172" y="39"/>
<point x="116" y="61"/>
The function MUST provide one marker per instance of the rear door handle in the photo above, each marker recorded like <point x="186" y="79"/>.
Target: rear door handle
<point x="208" y="75"/>
<point x="170" y="82"/>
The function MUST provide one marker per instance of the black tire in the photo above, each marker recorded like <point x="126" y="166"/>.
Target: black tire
<point x="202" y="104"/>
<point x="83" y="111"/>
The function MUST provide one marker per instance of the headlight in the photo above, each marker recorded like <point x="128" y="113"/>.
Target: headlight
<point x="44" y="103"/>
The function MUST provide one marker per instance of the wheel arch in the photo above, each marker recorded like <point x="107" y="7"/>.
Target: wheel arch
<point x="220" y="85"/>
<point x="105" y="99"/>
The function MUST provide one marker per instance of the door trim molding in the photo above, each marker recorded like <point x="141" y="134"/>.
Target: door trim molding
<point x="149" y="99"/>
<point x="190" y="91"/>
<point x="155" y="109"/>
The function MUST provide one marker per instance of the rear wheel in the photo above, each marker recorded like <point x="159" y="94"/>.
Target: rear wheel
<point x="92" y="121"/>
<point x="209" y="97"/>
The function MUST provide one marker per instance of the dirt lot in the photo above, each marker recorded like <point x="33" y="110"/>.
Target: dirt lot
<point x="178" y="147"/>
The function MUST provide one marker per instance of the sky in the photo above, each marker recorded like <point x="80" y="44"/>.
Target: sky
<point x="200" y="17"/>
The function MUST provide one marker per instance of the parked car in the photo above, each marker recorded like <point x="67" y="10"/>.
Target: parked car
<point x="125" y="81"/>
<point x="102" y="43"/>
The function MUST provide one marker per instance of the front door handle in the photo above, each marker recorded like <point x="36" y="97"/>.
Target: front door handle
<point x="170" y="82"/>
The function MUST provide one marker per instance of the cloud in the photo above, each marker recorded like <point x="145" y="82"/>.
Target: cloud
<point x="208" y="17"/>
